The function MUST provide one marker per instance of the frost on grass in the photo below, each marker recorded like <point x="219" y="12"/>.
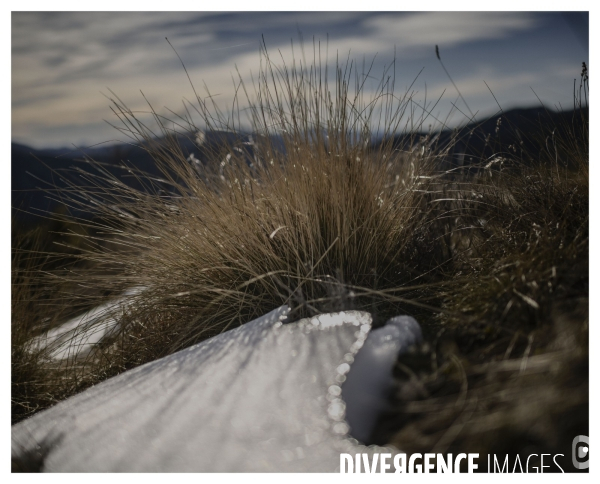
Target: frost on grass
<point x="262" y="397"/>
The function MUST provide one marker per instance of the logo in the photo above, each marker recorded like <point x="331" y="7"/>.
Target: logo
<point x="581" y="452"/>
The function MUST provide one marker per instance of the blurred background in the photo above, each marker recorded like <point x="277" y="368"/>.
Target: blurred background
<point x="64" y="63"/>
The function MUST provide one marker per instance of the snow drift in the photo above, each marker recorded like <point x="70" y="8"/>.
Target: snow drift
<point x="264" y="397"/>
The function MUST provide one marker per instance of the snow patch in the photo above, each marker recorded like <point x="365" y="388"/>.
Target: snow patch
<point x="264" y="397"/>
<point x="78" y="335"/>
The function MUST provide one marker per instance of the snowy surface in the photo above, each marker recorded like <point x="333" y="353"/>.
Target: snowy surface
<point x="263" y="397"/>
<point x="77" y="335"/>
<point x="370" y="379"/>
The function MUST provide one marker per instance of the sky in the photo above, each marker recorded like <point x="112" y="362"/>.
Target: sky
<point x="64" y="63"/>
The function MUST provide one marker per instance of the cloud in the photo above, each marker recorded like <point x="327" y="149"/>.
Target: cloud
<point x="447" y="29"/>
<point x="62" y="60"/>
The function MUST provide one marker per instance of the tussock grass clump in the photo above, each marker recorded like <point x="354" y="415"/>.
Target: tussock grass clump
<point x="321" y="222"/>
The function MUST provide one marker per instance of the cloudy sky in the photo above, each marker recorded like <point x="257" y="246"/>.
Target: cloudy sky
<point x="63" y="62"/>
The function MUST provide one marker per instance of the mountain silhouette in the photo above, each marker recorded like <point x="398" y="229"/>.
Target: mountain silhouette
<point x="40" y="178"/>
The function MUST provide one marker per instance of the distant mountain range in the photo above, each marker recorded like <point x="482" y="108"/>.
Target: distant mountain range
<point x="39" y="175"/>
<point x="510" y="132"/>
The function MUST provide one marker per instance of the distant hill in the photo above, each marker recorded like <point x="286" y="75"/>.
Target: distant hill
<point x="514" y="131"/>
<point x="36" y="170"/>
<point x="39" y="175"/>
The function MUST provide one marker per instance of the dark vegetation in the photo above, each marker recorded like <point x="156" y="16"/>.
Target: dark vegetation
<point x="481" y="233"/>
